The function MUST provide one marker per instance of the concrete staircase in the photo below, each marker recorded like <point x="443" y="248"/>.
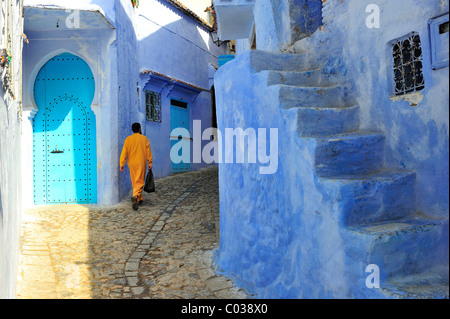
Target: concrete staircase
<point x="376" y="205"/>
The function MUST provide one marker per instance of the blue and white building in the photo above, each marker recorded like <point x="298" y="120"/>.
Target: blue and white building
<point x="11" y="42"/>
<point x="91" y="69"/>
<point x="359" y="204"/>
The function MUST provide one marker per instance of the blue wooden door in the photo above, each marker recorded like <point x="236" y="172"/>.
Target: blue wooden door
<point x="64" y="133"/>
<point x="179" y="118"/>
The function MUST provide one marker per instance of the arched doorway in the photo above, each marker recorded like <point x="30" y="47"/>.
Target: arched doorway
<point x="64" y="133"/>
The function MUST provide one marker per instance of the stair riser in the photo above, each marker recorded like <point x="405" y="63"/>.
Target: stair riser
<point x="261" y="61"/>
<point x="323" y="122"/>
<point x="313" y="78"/>
<point x="377" y="200"/>
<point x="412" y="252"/>
<point x="315" y="97"/>
<point x="358" y="155"/>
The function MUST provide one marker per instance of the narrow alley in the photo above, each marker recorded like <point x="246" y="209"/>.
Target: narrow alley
<point x="163" y="250"/>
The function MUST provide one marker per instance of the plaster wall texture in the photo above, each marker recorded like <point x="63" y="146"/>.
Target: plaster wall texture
<point x="10" y="170"/>
<point x="94" y="43"/>
<point x="272" y="238"/>
<point x="10" y="194"/>
<point x="235" y="18"/>
<point x="278" y="24"/>
<point x="96" y="49"/>
<point x="166" y="41"/>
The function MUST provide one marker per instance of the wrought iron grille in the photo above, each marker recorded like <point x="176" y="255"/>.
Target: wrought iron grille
<point x="153" y="106"/>
<point x="407" y="54"/>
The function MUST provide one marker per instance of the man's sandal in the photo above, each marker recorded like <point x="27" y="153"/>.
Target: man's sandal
<point x="135" y="204"/>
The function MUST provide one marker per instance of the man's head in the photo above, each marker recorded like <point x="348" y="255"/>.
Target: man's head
<point x="136" y="127"/>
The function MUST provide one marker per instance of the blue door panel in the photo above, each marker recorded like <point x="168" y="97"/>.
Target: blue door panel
<point x="64" y="143"/>
<point x="179" y="117"/>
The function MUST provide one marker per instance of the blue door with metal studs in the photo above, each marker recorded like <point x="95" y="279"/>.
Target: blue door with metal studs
<point x="179" y="118"/>
<point x="64" y="133"/>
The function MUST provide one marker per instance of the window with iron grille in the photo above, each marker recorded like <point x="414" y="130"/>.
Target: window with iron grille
<point x="407" y="55"/>
<point x="153" y="106"/>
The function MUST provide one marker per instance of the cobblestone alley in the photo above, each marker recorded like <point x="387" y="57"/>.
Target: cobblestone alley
<point x="163" y="250"/>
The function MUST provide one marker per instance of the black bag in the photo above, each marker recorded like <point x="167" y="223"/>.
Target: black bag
<point x="149" y="186"/>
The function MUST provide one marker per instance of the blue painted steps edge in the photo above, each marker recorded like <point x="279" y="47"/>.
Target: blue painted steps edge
<point x="407" y="246"/>
<point x="381" y="196"/>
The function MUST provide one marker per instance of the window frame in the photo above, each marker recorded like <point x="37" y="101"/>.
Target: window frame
<point x="394" y="91"/>
<point x="150" y="108"/>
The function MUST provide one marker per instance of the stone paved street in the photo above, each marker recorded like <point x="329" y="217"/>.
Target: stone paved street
<point x="163" y="250"/>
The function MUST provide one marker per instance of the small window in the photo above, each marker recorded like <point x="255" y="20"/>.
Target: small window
<point x="153" y="106"/>
<point x="407" y="66"/>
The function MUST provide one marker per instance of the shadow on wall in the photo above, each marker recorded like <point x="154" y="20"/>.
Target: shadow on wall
<point x="305" y="17"/>
<point x="169" y="50"/>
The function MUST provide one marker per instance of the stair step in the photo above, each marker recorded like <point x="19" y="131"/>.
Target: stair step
<point x="383" y="196"/>
<point x="403" y="247"/>
<point x="311" y="78"/>
<point x="262" y="60"/>
<point x="318" y="97"/>
<point x="327" y="121"/>
<point x="433" y="284"/>
<point x="349" y="154"/>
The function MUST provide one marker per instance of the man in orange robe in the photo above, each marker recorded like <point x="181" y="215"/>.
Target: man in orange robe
<point x="136" y="153"/>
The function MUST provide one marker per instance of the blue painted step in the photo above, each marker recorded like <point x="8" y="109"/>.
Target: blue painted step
<point x="318" y="97"/>
<point x="403" y="247"/>
<point x="262" y="60"/>
<point x="327" y="121"/>
<point x="387" y="195"/>
<point x="349" y="154"/>
<point x="311" y="78"/>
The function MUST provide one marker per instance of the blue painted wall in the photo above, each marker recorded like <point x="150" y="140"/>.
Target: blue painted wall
<point x="306" y="18"/>
<point x="10" y="195"/>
